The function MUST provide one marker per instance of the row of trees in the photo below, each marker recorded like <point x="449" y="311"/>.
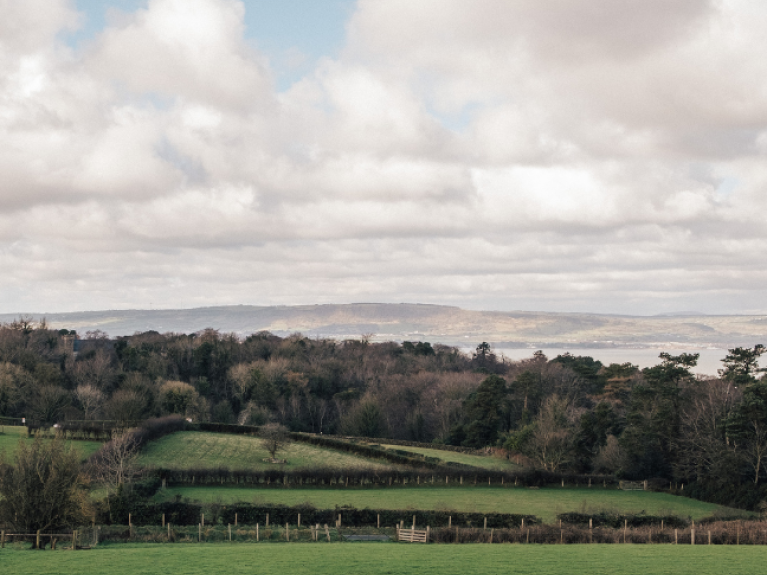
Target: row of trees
<point x="569" y="413"/>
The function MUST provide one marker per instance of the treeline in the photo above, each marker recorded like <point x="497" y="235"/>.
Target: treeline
<point x="568" y="414"/>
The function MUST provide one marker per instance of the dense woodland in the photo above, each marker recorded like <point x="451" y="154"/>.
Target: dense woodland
<point x="563" y="414"/>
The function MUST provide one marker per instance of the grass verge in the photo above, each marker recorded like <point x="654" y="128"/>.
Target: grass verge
<point x="481" y="461"/>
<point x="10" y="436"/>
<point x="543" y="503"/>
<point x="201" y="449"/>
<point x="388" y="558"/>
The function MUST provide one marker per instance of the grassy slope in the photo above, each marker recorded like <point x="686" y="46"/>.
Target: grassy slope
<point x="495" y="463"/>
<point x="388" y="558"/>
<point x="188" y="449"/>
<point x="9" y="441"/>
<point x="544" y="503"/>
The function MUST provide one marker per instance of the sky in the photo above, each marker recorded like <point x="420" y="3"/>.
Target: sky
<point x="595" y="156"/>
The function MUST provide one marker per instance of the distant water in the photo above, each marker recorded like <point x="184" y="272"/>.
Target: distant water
<point x="709" y="362"/>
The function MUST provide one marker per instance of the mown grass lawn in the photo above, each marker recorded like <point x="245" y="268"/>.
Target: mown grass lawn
<point x="195" y="449"/>
<point x="10" y="436"/>
<point x="484" y="462"/>
<point x="543" y="503"/>
<point x="387" y="558"/>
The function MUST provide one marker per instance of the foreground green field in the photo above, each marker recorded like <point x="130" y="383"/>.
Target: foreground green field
<point x="484" y="462"/>
<point x="190" y="449"/>
<point x="543" y="503"/>
<point x="9" y="441"/>
<point x="388" y="558"/>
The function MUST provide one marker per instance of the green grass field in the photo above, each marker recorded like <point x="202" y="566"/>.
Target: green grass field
<point x="189" y="449"/>
<point x="495" y="463"/>
<point x="389" y="559"/>
<point x="543" y="503"/>
<point x="9" y="441"/>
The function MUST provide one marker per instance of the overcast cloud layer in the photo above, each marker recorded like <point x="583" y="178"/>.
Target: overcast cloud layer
<point x="503" y="154"/>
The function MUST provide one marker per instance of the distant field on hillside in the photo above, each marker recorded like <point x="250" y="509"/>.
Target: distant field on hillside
<point x="485" y="462"/>
<point x="9" y="441"/>
<point x="190" y="449"/>
<point x="388" y="558"/>
<point x="544" y="503"/>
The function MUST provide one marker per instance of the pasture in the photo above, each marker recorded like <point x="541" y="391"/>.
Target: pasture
<point x="388" y="558"/>
<point x="481" y="461"/>
<point x="10" y="436"/>
<point x="544" y="503"/>
<point x="196" y="449"/>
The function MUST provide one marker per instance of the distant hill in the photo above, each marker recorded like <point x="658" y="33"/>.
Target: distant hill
<point x="434" y="323"/>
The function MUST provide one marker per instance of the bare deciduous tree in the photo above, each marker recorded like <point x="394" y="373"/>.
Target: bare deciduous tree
<point x="551" y="444"/>
<point x="115" y="463"/>
<point x="90" y="398"/>
<point x="274" y="437"/>
<point x="43" y="487"/>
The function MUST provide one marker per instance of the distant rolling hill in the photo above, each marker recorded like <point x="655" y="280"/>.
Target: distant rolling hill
<point x="434" y="323"/>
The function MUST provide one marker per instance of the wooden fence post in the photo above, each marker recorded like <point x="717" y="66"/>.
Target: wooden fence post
<point x="37" y="540"/>
<point x="413" y="521"/>
<point x="2" y="539"/>
<point x="230" y="532"/>
<point x="692" y="536"/>
<point x="378" y="521"/>
<point x="163" y="519"/>
<point x="74" y="539"/>
<point x="267" y="520"/>
<point x="709" y="537"/>
<point x="428" y="533"/>
<point x="625" y="527"/>
<point x="257" y="538"/>
<point x="199" y="533"/>
<point x="491" y="535"/>
<point x="676" y="536"/>
<point x="287" y="532"/>
<point x="327" y="532"/>
<point x="299" y="520"/>
<point x="485" y="523"/>
<point x="523" y="523"/>
<point x="450" y="521"/>
<point x="737" y="541"/>
<point x="168" y="531"/>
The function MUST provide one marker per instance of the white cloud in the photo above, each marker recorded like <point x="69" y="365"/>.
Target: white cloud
<point x="592" y="156"/>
